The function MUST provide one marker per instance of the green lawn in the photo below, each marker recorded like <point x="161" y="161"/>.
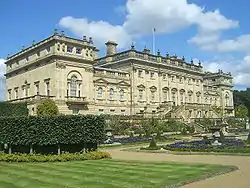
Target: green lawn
<point x="102" y="174"/>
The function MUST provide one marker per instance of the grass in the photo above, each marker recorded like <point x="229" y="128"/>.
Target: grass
<point x="104" y="174"/>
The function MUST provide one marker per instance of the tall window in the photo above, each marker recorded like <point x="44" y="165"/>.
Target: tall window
<point x="121" y="94"/>
<point x="16" y="93"/>
<point x="182" y="98"/>
<point x="227" y="100"/>
<point x="37" y="89"/>
<point x="73" y="86"/>
<point x="26" y="91"/>
<point x="111" y="94"/>
<point x="140" y="94"/>
<point x="99" y="92"/>
<point x="165" y="95"/>
<point x="152" y="95"/>
<point x="9" y="91"/>
<point x="198" y="98"/>
<point x="140" y="73"/>
<point x="48" y="88"/>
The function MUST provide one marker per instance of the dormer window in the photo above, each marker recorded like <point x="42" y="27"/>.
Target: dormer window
<point x="48" y="49"/>
<point x="78" y="51"/>
<point x="69" y="49"/>
<point x="38" y="54"/>
<point x="27" y="58"/>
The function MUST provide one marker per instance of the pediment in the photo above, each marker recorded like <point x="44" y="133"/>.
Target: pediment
<point x="123" y="83"/>
<point x="101" y="80"/>
<point x="141" y="86"/>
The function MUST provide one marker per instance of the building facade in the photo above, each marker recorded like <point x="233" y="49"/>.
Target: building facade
<point x="131" y="82"/>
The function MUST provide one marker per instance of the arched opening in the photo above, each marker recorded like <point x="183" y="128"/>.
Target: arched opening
<point x="73" y="86"/>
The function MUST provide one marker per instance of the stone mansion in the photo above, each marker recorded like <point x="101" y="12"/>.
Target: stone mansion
<point x="131" y="82"/>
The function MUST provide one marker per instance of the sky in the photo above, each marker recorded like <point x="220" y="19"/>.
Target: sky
<point x="215" y="32"/>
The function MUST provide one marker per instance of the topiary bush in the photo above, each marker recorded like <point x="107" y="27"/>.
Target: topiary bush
<point x="152" y="143"/>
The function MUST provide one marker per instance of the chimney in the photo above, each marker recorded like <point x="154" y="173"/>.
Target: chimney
<point x="111" y="48"/>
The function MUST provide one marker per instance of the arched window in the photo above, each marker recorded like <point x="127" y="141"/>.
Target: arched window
<point x="111" y="94"/>
<point x="99" y="92"/>
<point x="73" y="86"/>
<point x="121" y="94"/>
<point x="227" y="100"/>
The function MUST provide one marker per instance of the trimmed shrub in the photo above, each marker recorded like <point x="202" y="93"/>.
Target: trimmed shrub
<point x="152" y="143"/>
<point x="47" y="107"/>
<point x="13" y="109"/>
<point x="20" y="157"/>
<point x="42" y="131"/>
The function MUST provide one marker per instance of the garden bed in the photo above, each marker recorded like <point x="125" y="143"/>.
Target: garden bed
<point x="228" y="146"/>
<point x="22" y="157"/>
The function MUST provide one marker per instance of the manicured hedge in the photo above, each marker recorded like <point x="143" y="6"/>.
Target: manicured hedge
<point x="20" y="157"/>
<point x="13" y="109"/>
<point x="52" y="130"/>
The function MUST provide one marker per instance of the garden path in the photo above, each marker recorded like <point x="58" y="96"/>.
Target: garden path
<point x="236" y="179"/>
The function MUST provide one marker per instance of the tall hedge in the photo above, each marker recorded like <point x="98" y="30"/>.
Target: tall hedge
<point x="45" y="130"/>
<point x="13" y="109"/>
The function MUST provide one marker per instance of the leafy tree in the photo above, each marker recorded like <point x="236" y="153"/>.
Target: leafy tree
<point x="241" y="111"/>
<point x="48" y="107"/>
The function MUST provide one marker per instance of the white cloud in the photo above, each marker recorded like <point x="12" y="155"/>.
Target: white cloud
<point x="2" y="79"/>
<point x="101" y="31"/>
<point x="240" y="44"/>
<point x="143" y="15"/>
<point x="238" y="67"/>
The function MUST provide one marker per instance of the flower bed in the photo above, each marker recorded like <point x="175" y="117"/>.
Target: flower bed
<point x="228" y="145"/>
<point x="135" y="139"/>
<point x="22" y="157"/>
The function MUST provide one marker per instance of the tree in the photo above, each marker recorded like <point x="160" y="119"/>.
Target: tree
<point x="47" y="107"/>
<point x="241" y="111"/>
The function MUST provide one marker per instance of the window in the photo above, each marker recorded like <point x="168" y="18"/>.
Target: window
<point x="198" y="99"/>
<point x="16" y="93"/>
<point x="99" y="92"/>
<point x="165" y="95"/>
<point x="26" y="91"/>
<point x="164" y="77"/>
<point x="73" y="86"/>
<point x="112" y="110"/>
<point x="206" y="100"/>
<point x="69" y="49"/>
<point x="9" y="91"/>
<point x="48" y="48"/>
<point x="227" y="100"/>
<point x="78" y="51"/>
<point x="48" y="88"/>
<point x="151" y="75"/>
<point x="211" y="100"/>
<point x="123" y="110"/>
<point x="172" y="78"/>
<point x="152" y="95"/>
<point x="38" y="54"/>
<point x="75" y="111"/>
<point x="140" y="73"/>
<point x="111" y="94"/>
<point x="140" y="94"/>
<point x="27" y="58"/>
<point x="37" y="89"/>
<point x="101" y="110"/>
<point x="121" y="94"/>
<point x="182" y="98"/>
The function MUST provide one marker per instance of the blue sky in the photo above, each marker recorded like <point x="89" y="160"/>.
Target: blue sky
<point x="215" y="32"/>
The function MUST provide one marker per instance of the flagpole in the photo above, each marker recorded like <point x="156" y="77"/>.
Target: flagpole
<point x="153" y="41"/>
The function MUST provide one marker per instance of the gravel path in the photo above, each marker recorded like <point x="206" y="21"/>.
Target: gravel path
<point x="236" y="179"/>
